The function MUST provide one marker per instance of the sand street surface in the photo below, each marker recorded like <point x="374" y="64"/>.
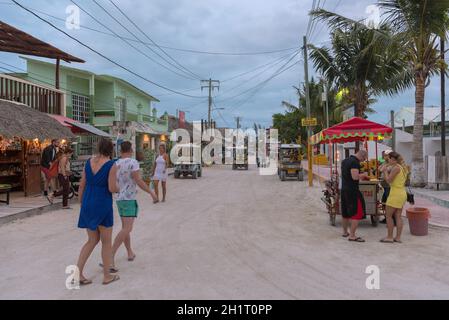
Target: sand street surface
<point x="227" y="235"/>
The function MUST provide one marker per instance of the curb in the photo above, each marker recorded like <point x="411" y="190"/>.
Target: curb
<point x="431" y="224"/>
<point x="438" y="201"/>
<point x="30" y="213"/>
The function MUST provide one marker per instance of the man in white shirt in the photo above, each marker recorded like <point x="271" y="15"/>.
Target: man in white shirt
<point x="128" y="178"/>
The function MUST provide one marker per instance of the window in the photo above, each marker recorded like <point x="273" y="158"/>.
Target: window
<point x="121" y="109"/>
<point x="81" y="108"/>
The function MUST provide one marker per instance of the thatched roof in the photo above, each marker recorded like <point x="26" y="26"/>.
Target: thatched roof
<point x="19" y="120"/>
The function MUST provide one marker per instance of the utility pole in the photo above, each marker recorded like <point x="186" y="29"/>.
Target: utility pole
<point x="443" y="101"/>
<point x="309" y="132"/>
<point x="238" y="122"/>
<point x="211" y="85"/>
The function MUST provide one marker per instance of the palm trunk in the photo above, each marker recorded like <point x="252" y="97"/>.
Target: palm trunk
<point x="418" y="177"/>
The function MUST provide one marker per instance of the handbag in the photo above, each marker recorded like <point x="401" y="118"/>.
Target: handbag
<point x="410" y="196"/>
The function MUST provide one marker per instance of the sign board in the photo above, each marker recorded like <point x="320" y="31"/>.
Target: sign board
<point x="309" y="122"/>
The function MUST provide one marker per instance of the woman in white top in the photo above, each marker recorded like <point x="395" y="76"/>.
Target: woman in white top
<point x="160" y="172"/>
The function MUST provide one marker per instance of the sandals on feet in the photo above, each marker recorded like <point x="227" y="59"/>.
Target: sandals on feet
<point x="111" y="269"/>
<point x="132" y="258"/>
<point x="387" y="241"/>
<point x="397" y="241"/>
<point x="114" y="278"/>
<point x="358" y="239"/>
<point x="345" y="235"/>
<point x="85" y="282"/>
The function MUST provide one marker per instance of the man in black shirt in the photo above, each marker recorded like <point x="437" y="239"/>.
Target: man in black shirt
<point x="352" y="202"/>
<point x="48" y="157"/>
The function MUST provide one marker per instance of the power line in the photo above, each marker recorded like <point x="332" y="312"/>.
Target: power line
<point x="151" y="40"/>
<point x="129" y="44"/>
<point x="256" y="75"/>
<point x="138" y="39"/>
<point x="104" y="56"/>
<point x="278" y="72"/>
<point x="256" y="68"/>
<point x="164" y="46"/>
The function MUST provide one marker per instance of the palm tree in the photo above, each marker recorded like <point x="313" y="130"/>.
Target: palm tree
<point x="416" y="26"/>
<point x="358" y="61"/>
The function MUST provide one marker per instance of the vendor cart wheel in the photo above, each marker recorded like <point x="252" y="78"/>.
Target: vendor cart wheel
<point x="374" y="220"/>
<point x="333" y="219"/>
<point x="282" y="176"/>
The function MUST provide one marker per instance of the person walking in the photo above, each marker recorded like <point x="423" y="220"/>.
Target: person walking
<point x="397" y="178"/>
<point x="160" y="172"/>
<point x="64" y="174"/>
<point x="47" y="160"/>
<point x="352" y="202"/>
<point x="98" y="182"/>
<point x="128" y="178"/>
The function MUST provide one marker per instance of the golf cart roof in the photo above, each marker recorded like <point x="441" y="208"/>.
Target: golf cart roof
<point x="291" y="146"/>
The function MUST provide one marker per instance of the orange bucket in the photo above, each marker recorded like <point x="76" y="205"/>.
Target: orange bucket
<point x="418" y="219"/>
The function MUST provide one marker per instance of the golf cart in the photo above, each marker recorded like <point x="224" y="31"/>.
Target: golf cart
<point x="190" y="166"/>
<point x="289" y="165"/>
<point x="240" y="156"/>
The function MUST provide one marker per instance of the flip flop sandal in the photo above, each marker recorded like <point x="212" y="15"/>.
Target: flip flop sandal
<point x="132" y="259"/>
<point x="345" y="235"/>
<point x="358" y="239"/>
<point x="115" y="278"/>
<point x="85" y="282"/>
<point x="387" y="241"/>
<point x="111" y="269"/>
<point x="397" y="241"/>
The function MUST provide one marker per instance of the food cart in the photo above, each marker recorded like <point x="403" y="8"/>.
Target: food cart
<point x="353" y="130"/>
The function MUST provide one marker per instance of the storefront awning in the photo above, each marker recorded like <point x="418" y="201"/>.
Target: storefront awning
<point x="80" y="128"/>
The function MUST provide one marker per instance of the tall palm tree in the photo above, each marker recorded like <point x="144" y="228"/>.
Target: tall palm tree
<point x="359" y="62"/>
<point x="416" y="26"/>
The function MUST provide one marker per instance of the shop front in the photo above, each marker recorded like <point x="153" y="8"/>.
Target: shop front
<point x="24" y="133"/>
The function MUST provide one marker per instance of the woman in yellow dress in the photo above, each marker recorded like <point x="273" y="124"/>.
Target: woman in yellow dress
<point x="396" y="177"/>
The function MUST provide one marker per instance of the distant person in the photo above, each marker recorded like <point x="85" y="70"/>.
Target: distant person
<point x="384" y="183"/>
<point x="98" y="182"/>
<point x="160" y="172"/>
<point x="352" y="202"/>
<point x="47" y="159"/>
<point x="128" y="178"/>
<point x="397" y="178"/>
<point x="64" y="174"/>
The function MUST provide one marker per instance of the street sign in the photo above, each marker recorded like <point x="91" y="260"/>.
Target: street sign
<point x="309" y="122"/>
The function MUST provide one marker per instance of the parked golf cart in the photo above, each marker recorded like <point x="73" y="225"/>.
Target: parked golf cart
<point x="192" y="166"/>
<point x="240" y="156"/>
<point x="289" y="165"/>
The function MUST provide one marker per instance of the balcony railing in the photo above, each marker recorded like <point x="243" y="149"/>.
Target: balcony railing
<point x="39" y="97"/>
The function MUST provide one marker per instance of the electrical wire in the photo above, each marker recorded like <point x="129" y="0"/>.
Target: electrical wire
<point x="130" y="44"/>
<point x="138" y="39"/>
<point x="151" y="40"/>
<point x="164" y="46"/>
<point x="104" y="56"/>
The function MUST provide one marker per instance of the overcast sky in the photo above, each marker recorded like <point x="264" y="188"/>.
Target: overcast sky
<point x="231" y="26"/>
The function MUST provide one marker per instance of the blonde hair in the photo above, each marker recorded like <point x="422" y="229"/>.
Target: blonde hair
<point x="400" y="160"/>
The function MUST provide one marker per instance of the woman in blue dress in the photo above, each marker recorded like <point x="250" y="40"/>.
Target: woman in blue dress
<point x="98" y="182"/>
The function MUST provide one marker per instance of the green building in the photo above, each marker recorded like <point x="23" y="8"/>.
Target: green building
<point x="109" y="103"/>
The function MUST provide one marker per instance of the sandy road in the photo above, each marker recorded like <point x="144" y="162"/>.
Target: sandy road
<point x="228" y="235"/>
